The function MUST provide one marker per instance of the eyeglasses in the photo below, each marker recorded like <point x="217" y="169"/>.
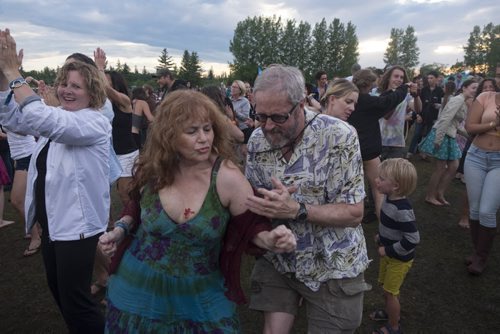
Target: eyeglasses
<point x="276" y="118"/>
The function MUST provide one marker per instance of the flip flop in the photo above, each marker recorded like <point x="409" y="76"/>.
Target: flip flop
<point x="31" y="251"/>
<point x="379" y="315"/>
<point x="4" y="223"/>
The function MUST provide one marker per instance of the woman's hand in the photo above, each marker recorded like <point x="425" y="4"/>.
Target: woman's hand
<point x="47" y="93"/>
<point x="109" y="240"/>
<point x="279" y="240"/>
<point x="10" y="60"/>
<point x="100" y="59"/>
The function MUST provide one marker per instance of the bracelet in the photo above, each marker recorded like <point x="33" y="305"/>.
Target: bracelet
<point x="493" y="124"/>
<point x="123" y="225"/>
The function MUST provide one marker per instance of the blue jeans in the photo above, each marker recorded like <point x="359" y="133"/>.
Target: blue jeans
<point x="417" y="136"/>
<point x="482" y="176"/>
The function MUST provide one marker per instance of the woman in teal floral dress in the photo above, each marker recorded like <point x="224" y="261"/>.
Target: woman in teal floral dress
<point x="169" y="279"/>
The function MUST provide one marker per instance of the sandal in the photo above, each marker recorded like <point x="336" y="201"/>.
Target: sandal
<point x="379" y="315"/>
<point x="32" y="250"/>
<point x="387" y="329"/>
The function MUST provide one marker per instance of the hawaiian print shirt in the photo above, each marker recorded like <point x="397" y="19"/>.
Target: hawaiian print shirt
<point x="326" y="167"/>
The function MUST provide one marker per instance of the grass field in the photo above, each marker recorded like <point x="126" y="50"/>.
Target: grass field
<point x="437" y="297"/>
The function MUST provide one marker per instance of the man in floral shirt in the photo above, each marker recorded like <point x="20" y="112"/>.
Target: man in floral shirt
<point x="307" y="168"/>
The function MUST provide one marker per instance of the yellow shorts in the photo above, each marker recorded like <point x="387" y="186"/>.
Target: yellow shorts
<point x="392" y="273"/>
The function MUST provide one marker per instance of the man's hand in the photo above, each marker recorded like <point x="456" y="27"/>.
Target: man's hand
<point x="276" y="203"/>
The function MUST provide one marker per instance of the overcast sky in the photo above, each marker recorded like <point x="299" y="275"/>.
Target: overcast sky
<point x="135" y="32"/>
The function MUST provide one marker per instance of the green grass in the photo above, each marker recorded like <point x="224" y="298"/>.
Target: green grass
<point x="438" y="295"/>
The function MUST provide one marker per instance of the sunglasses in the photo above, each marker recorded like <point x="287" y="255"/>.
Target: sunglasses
<point x="276" y="118"/>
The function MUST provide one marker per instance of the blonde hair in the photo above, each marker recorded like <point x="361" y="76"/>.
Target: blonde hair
<point x="242" y="87"/>
<point x="339" y="88"/>
<point x="93" y="82"/>
<point x="158" y="162"/>
<point x="402" y="172"/>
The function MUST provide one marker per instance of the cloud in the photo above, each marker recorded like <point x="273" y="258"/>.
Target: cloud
<point x="136" y="32"/>
<point x="448" y="49"/>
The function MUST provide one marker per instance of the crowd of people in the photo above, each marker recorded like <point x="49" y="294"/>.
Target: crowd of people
<point x="281" y="170"/>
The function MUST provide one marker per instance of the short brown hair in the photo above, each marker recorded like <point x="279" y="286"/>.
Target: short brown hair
<point x="364" y="78"/>
<point x="402" y="172"/>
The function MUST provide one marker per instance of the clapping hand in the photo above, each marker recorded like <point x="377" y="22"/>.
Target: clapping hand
<point x="100" y="59"/>
<point x="10" y="60"/>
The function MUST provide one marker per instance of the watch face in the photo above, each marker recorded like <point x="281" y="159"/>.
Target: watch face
<point x="302" y="214"/>
<point x="17" y="83"/>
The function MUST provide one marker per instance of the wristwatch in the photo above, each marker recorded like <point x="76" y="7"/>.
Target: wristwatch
<point x="302" y="214"/>
<point x="16" y="83"/>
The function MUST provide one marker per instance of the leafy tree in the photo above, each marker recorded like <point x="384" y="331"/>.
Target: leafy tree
<point x="256" y="42"/>
<point x="459" y="66"/>
<point x="350" y="53"/>
<point x="473" y="55"/>
<point x="391" y="55"/>
<point x="210" y="75"/>
<point x="491" y="45"/>
<point x="119" y="67"/>
<point x="288" y="43"/>
<point x="190" y="68"/>
<point x="402" y="49"/>
<point x="125" y="68"/>
<point x="482" y="52"/>
<point x="319" y="55"/>
<point x="334" y="51"/>
<point x="244" y="49"/>
<point x="437" y="67"/>
<point x="165" y="61"/>
<point x="303" y="48"/>
<point x="410" y="51"/>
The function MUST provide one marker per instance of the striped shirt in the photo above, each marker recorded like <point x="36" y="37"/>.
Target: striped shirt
<point x="398" y="230"/>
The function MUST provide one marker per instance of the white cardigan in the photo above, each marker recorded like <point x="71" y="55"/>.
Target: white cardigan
<point x="77" y="192"/>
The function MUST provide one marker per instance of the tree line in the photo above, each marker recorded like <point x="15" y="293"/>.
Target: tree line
<point x="260" y="41"/>
<point x="333" y="47"/>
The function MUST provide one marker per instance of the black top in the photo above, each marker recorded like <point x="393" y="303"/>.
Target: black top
<point x="41" y="167"/>
<point x="123" y="141"/>
<point x="368" y="111"/>
<point x="428" y="98"/>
